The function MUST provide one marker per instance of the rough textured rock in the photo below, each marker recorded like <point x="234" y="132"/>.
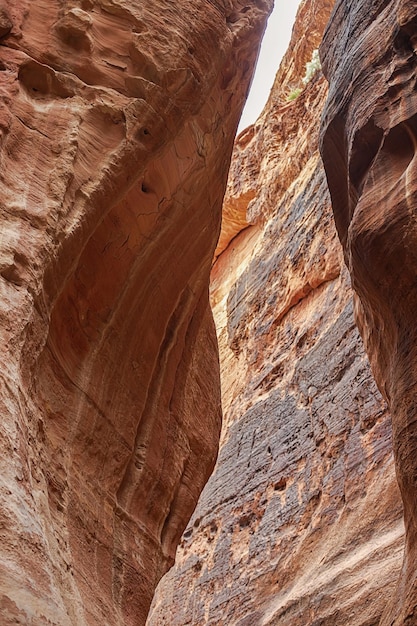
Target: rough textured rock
<point x="301" y="522"/>
<point x="278" y="158"/>
<point x="369" y="146"/>
<point x="117" y="124"/>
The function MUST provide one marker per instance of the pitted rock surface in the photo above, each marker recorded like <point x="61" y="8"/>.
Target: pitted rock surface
<point x="301" y="522"/>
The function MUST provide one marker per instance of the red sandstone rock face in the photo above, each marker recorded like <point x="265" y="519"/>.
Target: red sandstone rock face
<point x="369" y="139"/>
<point x="276" y="155"/>
<point x="301" y="522"/>
<point x="117" y="123"/>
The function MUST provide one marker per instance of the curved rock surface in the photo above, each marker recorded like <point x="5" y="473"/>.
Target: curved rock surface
<point x="369" y="151"/>
<point x="301" y="522"/>
<point x="117" y="124"/>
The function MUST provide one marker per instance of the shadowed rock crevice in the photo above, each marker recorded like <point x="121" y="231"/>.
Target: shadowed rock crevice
<point x="376" y="134"/>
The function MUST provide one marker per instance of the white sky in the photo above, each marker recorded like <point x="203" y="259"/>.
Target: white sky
<point x="274" y="46"/>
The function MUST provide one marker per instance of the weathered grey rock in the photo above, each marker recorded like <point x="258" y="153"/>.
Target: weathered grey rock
<point x="300" y="524"/>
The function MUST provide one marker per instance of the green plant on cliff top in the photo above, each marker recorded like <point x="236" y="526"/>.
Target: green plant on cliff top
<point x="293" y="94"/>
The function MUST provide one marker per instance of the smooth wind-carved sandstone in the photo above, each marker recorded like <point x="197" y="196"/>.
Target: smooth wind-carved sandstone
<point x="300" y="524"/>
<point x="117" y="122"/>
<point x="369" y="151"/>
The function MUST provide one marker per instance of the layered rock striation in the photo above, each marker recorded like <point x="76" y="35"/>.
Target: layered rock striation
<point x="117" y="124"/>
<point x="301" y="522"/>
<point x="368" y="146"/>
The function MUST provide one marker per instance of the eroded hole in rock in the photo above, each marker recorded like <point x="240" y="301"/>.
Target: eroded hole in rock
<point x="42" y="81"/>
<point x="6" y="23"/>
<point x="280" y="485"/>
<point x="245" y="521"/>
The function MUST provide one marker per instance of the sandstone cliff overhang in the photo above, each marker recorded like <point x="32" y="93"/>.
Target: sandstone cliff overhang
<point x="117" y="124"/>
<point x="368" y="147"/>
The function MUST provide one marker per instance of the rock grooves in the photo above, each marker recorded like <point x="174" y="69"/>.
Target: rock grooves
<point x="117" y="124"/>
<point x="368" y="146"/>
<point x="301" y="522"/>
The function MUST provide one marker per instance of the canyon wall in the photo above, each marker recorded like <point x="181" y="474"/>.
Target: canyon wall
<point x="301" y="522"/>
<point x="369" y="145"/>
<point x="117" y="125"/>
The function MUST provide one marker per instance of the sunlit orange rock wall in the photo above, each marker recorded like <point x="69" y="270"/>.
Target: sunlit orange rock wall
<point x="369" y="146"/>
<point x="301" y="522"/>
<point x="117" y="122"/>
